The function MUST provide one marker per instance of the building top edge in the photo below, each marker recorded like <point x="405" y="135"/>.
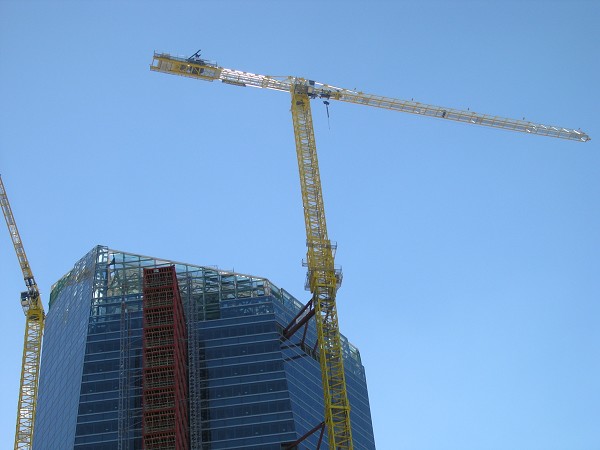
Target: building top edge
<point x="170" y="261"/>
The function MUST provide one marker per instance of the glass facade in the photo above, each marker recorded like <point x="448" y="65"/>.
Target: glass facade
<point x="248" y="387"/>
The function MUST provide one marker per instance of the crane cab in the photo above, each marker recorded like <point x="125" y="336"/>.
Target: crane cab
<point x="25" y="301"/>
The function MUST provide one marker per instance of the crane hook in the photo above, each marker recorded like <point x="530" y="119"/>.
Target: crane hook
<point x="326" y="103"/>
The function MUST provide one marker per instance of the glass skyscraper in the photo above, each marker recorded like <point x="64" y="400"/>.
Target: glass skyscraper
<point x="247" y="387"/>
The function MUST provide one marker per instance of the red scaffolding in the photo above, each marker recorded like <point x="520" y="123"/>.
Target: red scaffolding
<point x="165" y="385"/>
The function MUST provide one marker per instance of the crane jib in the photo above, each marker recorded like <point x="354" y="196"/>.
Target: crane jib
<point x="207" y="71"/>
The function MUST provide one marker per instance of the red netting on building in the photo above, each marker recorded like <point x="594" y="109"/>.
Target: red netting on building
<point x="164" y="386"/>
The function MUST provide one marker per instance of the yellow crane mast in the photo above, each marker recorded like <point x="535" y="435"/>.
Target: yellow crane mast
<point x="323" y="279"/>
<point x="34" y="328"/>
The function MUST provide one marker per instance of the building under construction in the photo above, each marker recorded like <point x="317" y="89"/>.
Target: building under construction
<point x="141" y="352"/>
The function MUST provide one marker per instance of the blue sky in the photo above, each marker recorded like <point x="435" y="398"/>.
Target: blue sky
<point x="470" y="255"/>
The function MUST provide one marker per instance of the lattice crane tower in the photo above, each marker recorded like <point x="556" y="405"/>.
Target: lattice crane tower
<point x="323" y="279"/>
<point x="34" y="328"/>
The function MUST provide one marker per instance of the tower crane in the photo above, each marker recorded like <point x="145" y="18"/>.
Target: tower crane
<point x="34" y="328"/>
<point x="323" y="279"/>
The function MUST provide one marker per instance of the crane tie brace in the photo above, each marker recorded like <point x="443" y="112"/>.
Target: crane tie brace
<point x="323" y="280"/>
<point x="34" y="328"/>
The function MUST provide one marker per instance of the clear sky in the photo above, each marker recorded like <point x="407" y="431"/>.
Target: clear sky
<point x="470" y="255"/>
